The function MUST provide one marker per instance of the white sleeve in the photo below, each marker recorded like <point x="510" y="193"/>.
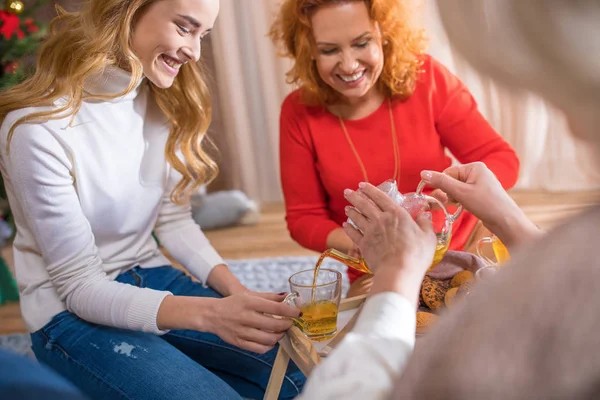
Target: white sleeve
<point x="182" y="237"/>
<point x="39" y="170"/>
<point x="366" y="362"/>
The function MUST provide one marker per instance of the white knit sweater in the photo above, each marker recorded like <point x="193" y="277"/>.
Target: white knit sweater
<point x="86" y="197"/>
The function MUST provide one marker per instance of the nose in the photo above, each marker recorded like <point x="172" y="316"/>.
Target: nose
<point x="193" y="50"/>
<point x="348" y="64"/>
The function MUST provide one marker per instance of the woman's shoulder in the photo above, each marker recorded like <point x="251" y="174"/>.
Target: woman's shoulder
<point x="436" y="81"/>
<point x="432" y="70"/>
<point x="29" y="130"/>
<point x="294" y="105"/>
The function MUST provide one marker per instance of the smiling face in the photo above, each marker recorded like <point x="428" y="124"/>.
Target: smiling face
<point x="169" y="34"/>
<point x="348" y="50"/>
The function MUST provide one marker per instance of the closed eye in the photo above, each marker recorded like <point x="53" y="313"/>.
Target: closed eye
<point x="328" y="51"/>
<point x="182" y="29"/>
<point x="363" y="44"/>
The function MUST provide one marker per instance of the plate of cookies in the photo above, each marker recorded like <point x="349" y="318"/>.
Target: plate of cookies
<point x="445" y="285"/>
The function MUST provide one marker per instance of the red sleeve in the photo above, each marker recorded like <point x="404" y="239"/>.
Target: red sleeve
<point x="462" y="128"/>
<point x="307" y="214"/>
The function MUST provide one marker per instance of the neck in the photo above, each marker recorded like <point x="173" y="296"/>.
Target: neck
<point x="356" y="108"/>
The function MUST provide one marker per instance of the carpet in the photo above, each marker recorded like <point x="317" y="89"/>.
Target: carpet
<point x="262" y="275"/>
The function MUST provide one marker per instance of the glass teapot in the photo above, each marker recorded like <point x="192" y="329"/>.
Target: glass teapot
<point x="415" y="203"/>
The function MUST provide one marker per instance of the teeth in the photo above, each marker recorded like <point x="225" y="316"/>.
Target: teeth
<point x="353" y="78"/>
<point x="172" y="63"/>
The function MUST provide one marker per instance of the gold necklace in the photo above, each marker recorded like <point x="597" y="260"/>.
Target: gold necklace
<point x="394" y="144"/>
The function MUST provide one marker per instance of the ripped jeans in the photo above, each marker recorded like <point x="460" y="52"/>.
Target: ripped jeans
<point x="111" y="363"/>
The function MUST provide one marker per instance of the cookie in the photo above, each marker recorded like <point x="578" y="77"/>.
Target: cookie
<point x="424" y="321"/>
<point x="461" y="278"/>
<point x="449" y="298"/>
<point x="465" y="289"/>
<point x="433" y="292"/>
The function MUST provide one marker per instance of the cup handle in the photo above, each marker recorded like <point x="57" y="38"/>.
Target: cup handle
<point x="290" y="300"/>
<point x="480" y="244"/>
<point x="452" y="217"/>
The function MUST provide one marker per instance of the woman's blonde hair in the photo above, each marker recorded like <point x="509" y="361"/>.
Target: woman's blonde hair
<point x="403" y="37"/>
<point x="84" y="43"/>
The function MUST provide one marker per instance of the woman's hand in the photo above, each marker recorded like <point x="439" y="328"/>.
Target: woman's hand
<point x="398" y="249"/>
<point x="355" y="252"/>
<point x="477" y="189"/>
<point x="246" y="320"/>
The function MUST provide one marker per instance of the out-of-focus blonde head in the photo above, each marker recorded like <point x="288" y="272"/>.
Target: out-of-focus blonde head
<point x="549" y="47"/>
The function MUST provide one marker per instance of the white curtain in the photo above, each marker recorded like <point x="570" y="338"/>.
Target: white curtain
<point x="251" y="86"/>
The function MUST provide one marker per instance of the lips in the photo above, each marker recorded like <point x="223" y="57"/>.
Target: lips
<point x="170" y="64"/>
<point x="354" y="77"/>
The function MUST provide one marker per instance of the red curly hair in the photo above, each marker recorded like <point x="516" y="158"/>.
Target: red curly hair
<point x="404" y="43"/>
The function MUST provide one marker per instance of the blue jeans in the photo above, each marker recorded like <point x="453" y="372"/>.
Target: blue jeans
<point x="111" y="363"/>
<point x="23" y="378"/>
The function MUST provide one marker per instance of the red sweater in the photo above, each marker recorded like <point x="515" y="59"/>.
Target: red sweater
<point x="317" y="163"/>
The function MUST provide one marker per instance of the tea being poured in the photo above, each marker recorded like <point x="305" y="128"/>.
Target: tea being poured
<point x="319" y="315"/>
<point x="416" y="204"/>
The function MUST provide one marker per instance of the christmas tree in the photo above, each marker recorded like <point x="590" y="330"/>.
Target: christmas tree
<point x="20" y="36"/>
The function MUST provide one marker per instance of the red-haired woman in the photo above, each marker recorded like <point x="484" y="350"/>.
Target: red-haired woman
<point x="371" y="106"/>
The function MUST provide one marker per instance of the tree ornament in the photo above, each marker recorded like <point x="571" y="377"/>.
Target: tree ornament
<point x="15" y="6"/>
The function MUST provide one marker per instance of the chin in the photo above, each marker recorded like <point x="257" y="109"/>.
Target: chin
<point x="160" y="81"/>
<point x="354" y="94"/>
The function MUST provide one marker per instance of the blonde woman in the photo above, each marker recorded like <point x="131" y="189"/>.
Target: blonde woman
<point x="100" y="148"/>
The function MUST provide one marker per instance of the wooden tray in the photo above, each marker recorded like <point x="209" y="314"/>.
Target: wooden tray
<point x="306" y="353"/>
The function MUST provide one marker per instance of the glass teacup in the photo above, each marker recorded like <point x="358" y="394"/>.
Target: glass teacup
<point x="318" y="297"/>
<point x="499" y="249"/>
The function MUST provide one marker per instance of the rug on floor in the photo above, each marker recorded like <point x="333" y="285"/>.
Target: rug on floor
<point x="261" y="275"/>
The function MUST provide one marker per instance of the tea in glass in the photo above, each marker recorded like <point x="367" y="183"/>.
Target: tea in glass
<point x="317" y="293"/>
<point x="320" y="318"/>
<point x="443" y="242"/>
<point x="499" y="249"/>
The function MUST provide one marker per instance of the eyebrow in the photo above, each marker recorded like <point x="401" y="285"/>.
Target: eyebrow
<point x="354" y="40"/>
<point x="191" y="20"/>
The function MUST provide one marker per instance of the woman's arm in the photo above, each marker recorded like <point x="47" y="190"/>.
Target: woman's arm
<point x="39" y="169"/>
<point x="477" y="189"/>
<point x="308" y="218"/>
<point x="184" y="240"/>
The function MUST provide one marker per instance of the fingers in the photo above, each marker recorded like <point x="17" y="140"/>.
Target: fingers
<point x="381" y="200"/>
<point x="260" y="337"/>
<point x="352" y="233"/>
<point x="362" y="203"/>
<point x="441" y="196"/>
<point x="359" y="220"/>
<point x="270" y="324"/>
<point x="253" y="347"/>
<point x="271" y="296"/>
<point x="444" y="181"/>
<point x="265" y="306"/>
<point x="425" y="223"/>
<point x="355" y="252"/>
